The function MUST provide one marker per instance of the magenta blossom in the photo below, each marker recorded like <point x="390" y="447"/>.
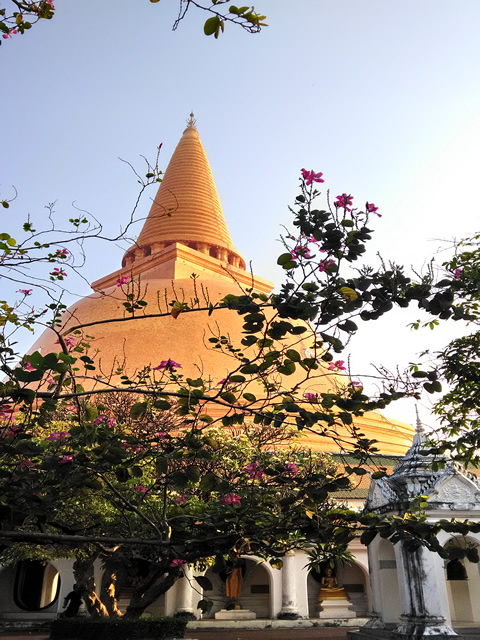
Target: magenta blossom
<point x="58" y="436"/>
<point x="180" y="499"/>
<point x="140" y="488"/>
<point x="28" y="366"/>
<point x="300" y="251"/>
<point x="178" y="563"/>
<point x="254" y="471"/>
<point x="169" y="365"/>
<point x="9" y="34"/>
<point x="224" y="381"/>
<point x="311" y="176"/>
<point x="109" y="422"/>
<point x="338" y="364"/>
<point x="122" y="280"/>
<point x="6" y="411"/>
<point x="68" y="458"/>
<point x="310" y="397"/>
<point x="69" y="342"/>
<point x="457" y="274"/>
<point x="292" y="468"/>
<point x="344" y="201"/>
<point x="325" y="265"/>
<point x="26" y="464"/>
<point x="26" y="292"/>
<point x="371" y="208"/>
<point x="231" y="498"/>
<point x="356" y="384"/>
<point x="61" y="253"/>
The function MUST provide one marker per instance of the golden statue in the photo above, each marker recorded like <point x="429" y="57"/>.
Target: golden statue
<point x="330" y="589"/>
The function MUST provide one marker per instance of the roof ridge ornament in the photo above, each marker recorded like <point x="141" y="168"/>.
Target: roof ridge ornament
<point x="191" y="122"/>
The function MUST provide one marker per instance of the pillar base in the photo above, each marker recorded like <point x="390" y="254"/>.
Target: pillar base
<point x="289" y="613"/>
<point x="336" y="609"/>
<point x="235" y="614"/>
<point x="418" y="627"/>
<point x="185" y="615"/>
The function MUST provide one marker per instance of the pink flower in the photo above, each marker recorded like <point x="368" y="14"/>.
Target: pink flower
<point x="57" y="273"/>
<point x="26" y="464"/>
<point x="9" y="34"/>
<point x="325" y="265"/>
<point x="178" y="563"/>
<point x="231" y="498"/>
<point x="59" y="436"/>
<point x="300" y="251"/>
<point x="69" y="342"/>
<point x="28" y="366"/>
<point x="66" y="459"/>
<point x="311" y="176"/>
<point x="338" y="364"/>
<point x="169" y="365"/>
<point x="224" y="381"/>
<point x="140" y="488"/>
<point x="122" y="280"/>
<point x="254" y="471"/>
<point x="6" y="411"/>
<point x="26" y="292"/>
<point x="109" y="422"/>
<point x="61" y="253"/>
<point x="51" y="382"/>
<point x="180" y="499"/>
<point x="344" y="201"/>
<point x="371" y="208"/>
<point x="457" y="274"/>
<point x="357" y="385"/>
<point x="292" y="468"/>
<point x="310" y="397"/>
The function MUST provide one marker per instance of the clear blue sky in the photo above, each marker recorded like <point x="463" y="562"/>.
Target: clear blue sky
<point x="382" y="96"/>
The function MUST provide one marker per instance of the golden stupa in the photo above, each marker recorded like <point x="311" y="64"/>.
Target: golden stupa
<point x="185" y="233"/>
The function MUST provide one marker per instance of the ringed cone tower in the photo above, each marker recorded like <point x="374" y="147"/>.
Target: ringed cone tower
<point x="185" y="233"/>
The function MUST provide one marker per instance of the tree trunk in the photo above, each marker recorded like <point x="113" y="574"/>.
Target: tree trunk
<point x="109" y="591"/>
<point x="148" y="590"/>
<point x="84" y="577"/>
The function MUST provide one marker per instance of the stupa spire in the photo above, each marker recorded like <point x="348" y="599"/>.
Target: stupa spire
<point x="187" y="209"/>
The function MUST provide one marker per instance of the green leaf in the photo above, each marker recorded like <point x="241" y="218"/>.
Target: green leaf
<point x="163" y="405"/>
<point x="204" y="583"/>
<point x="91" y="413"/>
<point x="211" y="25"/>
<point x="193" y="473"/>
<point x="205" y="606"/>
<point x="250" y="397"/>
<point x="208" y="482"/>
<point x="138" y="410"/>
<point x="161" y="464"/>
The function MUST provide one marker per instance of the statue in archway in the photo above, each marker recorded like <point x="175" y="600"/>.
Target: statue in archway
<point x="234" y="583"/>
<point x="330" y="589"/>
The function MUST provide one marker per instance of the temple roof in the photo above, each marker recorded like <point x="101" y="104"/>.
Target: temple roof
<point x="187" y="208"/>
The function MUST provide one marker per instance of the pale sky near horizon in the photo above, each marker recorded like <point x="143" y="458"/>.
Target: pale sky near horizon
<point x="382" y="96"/>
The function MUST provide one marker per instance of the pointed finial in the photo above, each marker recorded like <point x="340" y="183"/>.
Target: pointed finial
<point x="191" y="122"/>
<point x="419" y="428"/>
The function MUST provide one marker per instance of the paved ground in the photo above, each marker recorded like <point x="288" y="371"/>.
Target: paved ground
<point x="270" y="634"/>
<point x="259" y="634"/>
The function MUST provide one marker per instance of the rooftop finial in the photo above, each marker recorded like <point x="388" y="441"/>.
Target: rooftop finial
<point x="419" y="428"/>
<point x="191" y="122"/>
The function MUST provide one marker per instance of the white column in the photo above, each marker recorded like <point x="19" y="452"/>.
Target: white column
<point x="184" y="598"/>
<point x="424" y="596"/>
<point x="289" y="609"/>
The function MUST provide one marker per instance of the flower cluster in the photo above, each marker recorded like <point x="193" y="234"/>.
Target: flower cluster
<point x="457" y="274"/>
<point x="57" y="274"/>
<point x="310" y="397"/>
<point x="69" y="341"/>
<point x="168" y="365"/>
<point x="61" y="253"/>
<point x="345" y="201"/>
<point x="291" y="468"/>
<point x="311" y="176"/>
<point x="140" y="488"/>
<point x="67" y="458"/>
<point x="105" y="420"/>
<point x="325" y="265"/>
<point x="122" y="280"/>
<point x="231" y="498"/>
<point x="338" y="365"/>
<point x="178" y="563"/>
<point x="9" y="34"/>
<point x="254" y="471"/>
<point x="300" y="251"/>
<point x="26" y="292"/>
<point x="58" y="436"/>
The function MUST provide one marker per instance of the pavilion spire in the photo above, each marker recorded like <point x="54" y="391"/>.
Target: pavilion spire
<point x="187" y="208"/>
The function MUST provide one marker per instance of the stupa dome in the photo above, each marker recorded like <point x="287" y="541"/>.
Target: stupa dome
<point x="185" y="233"/>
